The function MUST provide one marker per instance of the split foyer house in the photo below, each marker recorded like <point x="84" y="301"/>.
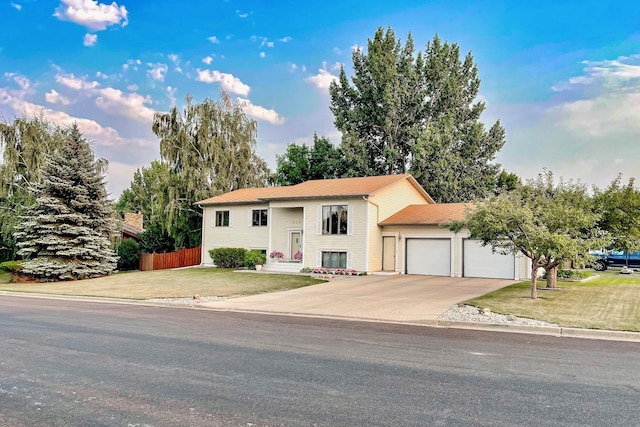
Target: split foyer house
<point x="371" y="224"/>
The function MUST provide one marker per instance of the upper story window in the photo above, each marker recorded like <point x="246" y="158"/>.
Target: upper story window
<point x="222" y="219"/>
<point x="334" y="219"/>
<point x="259" y="217"/>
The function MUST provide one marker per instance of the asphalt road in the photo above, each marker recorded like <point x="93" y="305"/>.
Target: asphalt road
<point x="77" y="363"/>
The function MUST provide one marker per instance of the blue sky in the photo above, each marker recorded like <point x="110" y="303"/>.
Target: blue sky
<point x="563" y="77"/>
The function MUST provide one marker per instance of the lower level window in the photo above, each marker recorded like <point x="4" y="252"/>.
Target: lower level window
<point x="334" y="259"/>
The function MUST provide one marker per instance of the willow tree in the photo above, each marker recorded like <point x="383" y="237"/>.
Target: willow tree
<point x="210" y="149"/>
<point x="24" y="144"/>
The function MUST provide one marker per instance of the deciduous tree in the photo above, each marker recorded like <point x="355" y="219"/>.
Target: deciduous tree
<point x="403" y="111"/>
<point x="24" y="144"/>
<point x="210" y="150"/>
<point x="546" y="222"/>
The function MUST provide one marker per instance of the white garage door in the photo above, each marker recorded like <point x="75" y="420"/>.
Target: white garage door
<point x="429" y="256"/>
<point x="479" y="261"/>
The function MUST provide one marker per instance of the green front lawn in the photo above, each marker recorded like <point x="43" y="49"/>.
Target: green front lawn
<point x="167" y="284"/>
<point x="610" y="301"/>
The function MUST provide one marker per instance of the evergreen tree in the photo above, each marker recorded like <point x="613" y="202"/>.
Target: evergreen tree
<point x="301" y="163"/>
<point x="65" y="234"/>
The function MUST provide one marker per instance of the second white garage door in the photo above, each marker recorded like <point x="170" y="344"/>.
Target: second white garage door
<point x="479" y="261"/>
<point x="429" y="256"/>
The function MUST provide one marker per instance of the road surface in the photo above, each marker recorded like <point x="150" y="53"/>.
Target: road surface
<point x="75" y="363"/>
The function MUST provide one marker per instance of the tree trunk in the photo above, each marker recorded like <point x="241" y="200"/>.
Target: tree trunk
<point x="552" y="277"/>
<point x="534" y="280"/>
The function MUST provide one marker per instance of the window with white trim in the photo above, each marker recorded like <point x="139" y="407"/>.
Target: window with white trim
<point x="222" y="219"/>
<point x="259" y="217"/>
<point x="332" y="259"/>
<point x="334" y="219"/>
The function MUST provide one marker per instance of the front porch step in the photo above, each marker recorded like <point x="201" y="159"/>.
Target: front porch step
<point x="282" y="267"/>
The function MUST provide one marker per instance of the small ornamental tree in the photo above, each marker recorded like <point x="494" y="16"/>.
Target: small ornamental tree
<point x="546" y="222"/>
<point x="66" y="234"/>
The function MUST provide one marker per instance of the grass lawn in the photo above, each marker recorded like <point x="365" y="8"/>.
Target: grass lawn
<point x="167" y="284"/>
<point x="610" y="301"/>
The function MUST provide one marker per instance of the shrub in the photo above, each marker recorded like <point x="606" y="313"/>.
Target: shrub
<point x="571" y="275"/>
<point x="228" y="257"/>
<point x="11" y="266"/>
<point x="128" y="254"/>
<point x="253" y="257"/>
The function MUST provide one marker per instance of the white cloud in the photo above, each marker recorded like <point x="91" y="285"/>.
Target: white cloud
<point x="242" y="15"/>
<point x="269" y="44"/>
<point x="322" y="80"/>
<point x="171" y="93"/>
<point x="157" y="71"/>
<point x="259" y="112"/>
<point x="175" y="58"/>
<point x="131" y="63"/>
<point x="54" y="97"/>
<point x="294" y="67"/>
<point x="207" y="60"/>
<point x="15" y="99"/>
<point x="262" y="54"/>
<point x="133" y="88"/>
<point x="90" y="39"/>
<point x="228" y="82"/>
<point x="73" y="82"/>
<point x="115" y="102"/>
<point x="91" y="14"/>
<point x="285" y="39"/>
<point x="22" y="81"/>
<point x="213" y="39"/>
<point x="111" y="101"/>
<point x="102" y="75"/>
<point x="16" y="6"/>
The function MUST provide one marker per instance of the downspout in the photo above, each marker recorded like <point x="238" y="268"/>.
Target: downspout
<point x="366" y="256"/>
<point x="202" y="251"/>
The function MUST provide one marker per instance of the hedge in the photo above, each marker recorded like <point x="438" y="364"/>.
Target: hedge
<point x="228" y="257"/>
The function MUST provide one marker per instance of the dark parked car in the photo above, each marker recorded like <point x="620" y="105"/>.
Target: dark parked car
<point x="616" y="259"/>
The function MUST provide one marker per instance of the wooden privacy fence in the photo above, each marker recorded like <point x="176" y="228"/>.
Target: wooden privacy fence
<point x="181" y="258"/>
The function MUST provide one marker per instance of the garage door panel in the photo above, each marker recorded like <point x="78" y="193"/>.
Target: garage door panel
<point x="480" y="261"/>
<point x="429" y="256"/>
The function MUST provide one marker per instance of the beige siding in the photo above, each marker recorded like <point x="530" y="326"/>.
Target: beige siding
<point x="315" y="242"/>
<point x="284" y="221"/>
<point x="239" y="234"/>
<point x="395" y="197"/>
<point x="383" y="204"/>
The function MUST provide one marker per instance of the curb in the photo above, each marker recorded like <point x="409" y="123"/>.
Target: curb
<point x="562" y="332"/>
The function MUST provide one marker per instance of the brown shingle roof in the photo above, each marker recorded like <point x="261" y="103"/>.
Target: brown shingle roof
<point x="432" y="214"/>
<point x="244" y="195"/>
<point x="315" y="189"/>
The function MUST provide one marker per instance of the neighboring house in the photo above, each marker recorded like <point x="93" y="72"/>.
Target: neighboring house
<point x="371" y="224"/>
<point x="132" y="226"/>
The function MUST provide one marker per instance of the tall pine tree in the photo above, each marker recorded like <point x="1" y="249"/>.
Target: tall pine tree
<point x="65" y="235"/>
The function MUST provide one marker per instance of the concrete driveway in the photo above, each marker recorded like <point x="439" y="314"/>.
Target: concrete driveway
<point x="400" y="298"/>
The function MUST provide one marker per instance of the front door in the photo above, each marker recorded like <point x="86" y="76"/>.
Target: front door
<point x="388" y="253"/>
<point x="295" y="245"/>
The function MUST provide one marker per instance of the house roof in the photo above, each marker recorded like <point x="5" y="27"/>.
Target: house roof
<point x="432" y="214"/>
<point x="315" y="189"/>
